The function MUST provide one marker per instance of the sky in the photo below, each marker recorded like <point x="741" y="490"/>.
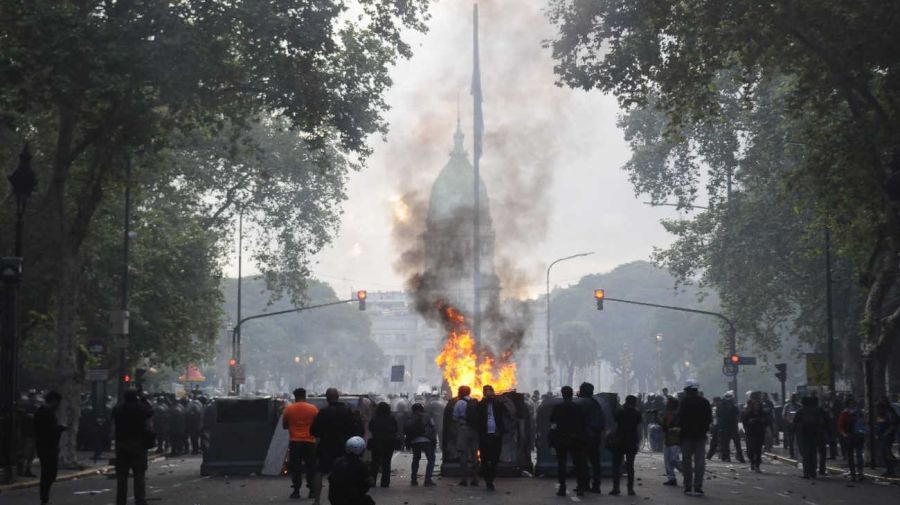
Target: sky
<point x="552" y="157"/>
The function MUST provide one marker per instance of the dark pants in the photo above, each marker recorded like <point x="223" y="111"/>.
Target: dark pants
<point x="162" y="442"/>
<point x="302" y="457"/>
<point x="49" y="465"/>
<point x="593" y="457"/>
<point x="754" y="449"/>
<point x="809" y="448"/>
<point x="131" y="455"/>
<point x="628" y="456"/>
<point x="177" y="441"/>
<point x="789" y="440"/>
<point x="692" y="463"/>
<point x="713" y="443"/>
<point x="489" y="445"/>
<point x="577" y="451"/>
<point x="195" y="442"/>
<point x="853" y="451"/>
<point x="382" y="452"/>
<point x="417" y="449"/>
<point x="887" y="455"/>
<point x="725" y="439"/>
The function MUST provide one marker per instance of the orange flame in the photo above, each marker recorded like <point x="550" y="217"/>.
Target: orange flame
<point x="462" y="364"/>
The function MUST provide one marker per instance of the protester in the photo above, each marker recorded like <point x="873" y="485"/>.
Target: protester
<point x="756" y="422"/>
<point x="298" y="418"/>
<point x="47" y="431"/>
<point x="886" y="422"/>
<point x="810" y="425"/>
<point x="130" y="418"/>
<point x="714" y="428"/>
<point x="568" y="435"/>
<point x="788" y="413"/>
<point x="668" y="421"/>
<point x="596" y="427"/>
<point x="851" y="426"/>
<point x="628" y="425"/>
<point x="384" y="430"/>
<point x="694" y="418"/>
<point x="349" y="481"/>
<point x="464" y="416"/>
<point x="491" y="416"/>
<point x="421" y="436"/>
<point x="728" y="416"/>
<point x="332" y="427"/>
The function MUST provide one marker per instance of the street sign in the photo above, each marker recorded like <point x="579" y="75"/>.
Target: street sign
<point x="729" y="369"/>
<point x="817" y="370"/>
<point x="96" y="348"/>
<point x="97" y="374"/>
<point x="239" y="373"/>
<point x="397" y="373"/>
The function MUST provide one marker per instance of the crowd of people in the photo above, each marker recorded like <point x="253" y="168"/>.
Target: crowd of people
<point x="352" y="445"/>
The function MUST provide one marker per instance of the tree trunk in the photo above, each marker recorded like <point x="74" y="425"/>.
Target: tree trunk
<point x="71" y="379"/>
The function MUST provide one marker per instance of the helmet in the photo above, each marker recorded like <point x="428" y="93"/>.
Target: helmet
<point x="355" y="445"/>
<point x="691" y="384"/>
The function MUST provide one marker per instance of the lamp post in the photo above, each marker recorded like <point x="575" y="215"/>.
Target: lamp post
<point x="23" y="182"/>
<point x="659" y="339"/>
<point x="549" y="369"/>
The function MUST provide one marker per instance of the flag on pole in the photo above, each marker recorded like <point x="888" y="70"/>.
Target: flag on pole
<point x="476" y="93"/>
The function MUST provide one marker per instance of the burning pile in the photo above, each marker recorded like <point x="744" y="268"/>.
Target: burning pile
<point x="462" y="364"/>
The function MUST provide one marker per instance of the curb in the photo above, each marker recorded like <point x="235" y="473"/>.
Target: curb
<point x="97" y="470"/>
<point x="836" y="470"/>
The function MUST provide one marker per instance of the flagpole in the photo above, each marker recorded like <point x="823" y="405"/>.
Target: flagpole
<point x="478" y="129"/>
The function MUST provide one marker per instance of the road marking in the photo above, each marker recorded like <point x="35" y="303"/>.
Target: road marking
<point x="575" y="499"/>
<point x="758" y="488"/>
<point x="93" y="491"/>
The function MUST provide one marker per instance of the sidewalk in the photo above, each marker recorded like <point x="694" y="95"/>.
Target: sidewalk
<point x="85" y="467"/>
<point x="834" y="466"/>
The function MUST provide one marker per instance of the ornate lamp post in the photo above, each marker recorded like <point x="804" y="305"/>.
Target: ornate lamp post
<point x="23" y="182"/>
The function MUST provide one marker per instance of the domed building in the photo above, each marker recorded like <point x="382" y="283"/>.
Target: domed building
<point x="449" y="233"/>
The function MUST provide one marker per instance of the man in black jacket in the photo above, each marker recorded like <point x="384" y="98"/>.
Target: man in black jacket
<point x="568" y="433"/>
<point x="596" y="427"/>
<point x="46" y="435"/>
<point x="728" y="415"/>
<point x="333" y="426"/>
<point x="130" y="418"/>
<point x="694" y="418"/>
<point x="491" y="416"/>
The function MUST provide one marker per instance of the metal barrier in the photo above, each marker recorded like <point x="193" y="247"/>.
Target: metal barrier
<point x="240" y="435"/>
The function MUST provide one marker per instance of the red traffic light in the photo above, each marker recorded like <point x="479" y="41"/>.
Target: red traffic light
<point x="735" y="359"/>
<point x="126" y="378"/>
<point x="232" y="362"/>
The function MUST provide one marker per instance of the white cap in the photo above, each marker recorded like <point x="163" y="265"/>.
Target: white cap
<point x="691" y="384"/>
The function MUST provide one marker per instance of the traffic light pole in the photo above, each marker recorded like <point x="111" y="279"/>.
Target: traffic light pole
<point x="732" y="333"/>
<point x="237" y="328"/>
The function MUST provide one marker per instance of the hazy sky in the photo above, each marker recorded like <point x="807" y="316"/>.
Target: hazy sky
<point x="552" y="156"/>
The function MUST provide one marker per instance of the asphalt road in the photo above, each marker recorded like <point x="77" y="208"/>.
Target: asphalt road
<point x="179" y="482"/>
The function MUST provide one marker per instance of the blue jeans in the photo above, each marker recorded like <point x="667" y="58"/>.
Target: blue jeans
<point x="672" y="459"/>
<point x="418" y="449"/>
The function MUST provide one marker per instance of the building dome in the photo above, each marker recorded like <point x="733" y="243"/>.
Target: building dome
<point x="451" y="194"/>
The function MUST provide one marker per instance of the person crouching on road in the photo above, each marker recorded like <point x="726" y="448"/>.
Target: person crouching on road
<point x="464" y="416"/>
<point x="491" y="416"/>
<point x="349" y="481"/>
<point x="628" y="438"/>
<point x="668" y="421"/>
<point x="297" y="419"/>
<point x="384" y="429"/>
<point x="421" y="436"/>
<point x="568" y="434"/>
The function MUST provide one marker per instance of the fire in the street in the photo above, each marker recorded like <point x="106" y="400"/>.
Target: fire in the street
<point x="462" y="364"/>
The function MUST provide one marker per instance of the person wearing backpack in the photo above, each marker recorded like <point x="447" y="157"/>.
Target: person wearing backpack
<point x="421" y="436"/>
<point x="851" y="426"/>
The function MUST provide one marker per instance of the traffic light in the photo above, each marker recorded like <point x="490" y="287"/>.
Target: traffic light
<point x="361" y="297"/>
<point x="734" y="359"/>
<point x="126" y="378"/>
<point x="232" y="362"/>
<point x="599" y="294"/>
<point x="737" y="359"/>
<point x="781" y="374"/>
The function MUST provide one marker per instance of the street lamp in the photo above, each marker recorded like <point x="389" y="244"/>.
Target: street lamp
<point x="659" y="339"/>
<point x="549" y="369"/>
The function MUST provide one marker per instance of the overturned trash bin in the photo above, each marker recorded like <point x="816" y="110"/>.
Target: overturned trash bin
<point x="546" y="455"/>
<point x="240" y="435"/>
<point x="515" y="453"/>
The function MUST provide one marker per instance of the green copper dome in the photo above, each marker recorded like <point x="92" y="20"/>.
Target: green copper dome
<point x="452" y="190"/>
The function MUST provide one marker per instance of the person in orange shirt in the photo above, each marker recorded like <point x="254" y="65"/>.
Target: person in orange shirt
<point x="297" y="418"/>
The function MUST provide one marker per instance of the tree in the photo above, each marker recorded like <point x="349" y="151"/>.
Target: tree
<point x="574" y="347"/>
<point x="837" y="63"/>
<point x="92" y="83"/>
